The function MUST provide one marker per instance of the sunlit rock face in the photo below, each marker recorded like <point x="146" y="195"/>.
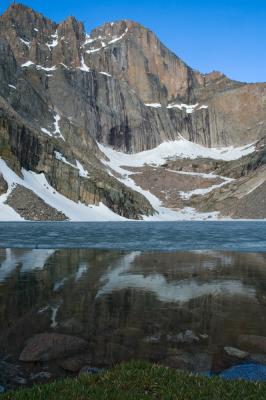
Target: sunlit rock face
<point x="132" y="68"/>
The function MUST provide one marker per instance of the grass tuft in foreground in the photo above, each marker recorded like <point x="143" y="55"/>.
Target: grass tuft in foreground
<point x="141" y="381"/>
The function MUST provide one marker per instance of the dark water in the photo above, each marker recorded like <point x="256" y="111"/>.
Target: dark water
<point x="177" y="308"/>
<point x="134" y="236"/>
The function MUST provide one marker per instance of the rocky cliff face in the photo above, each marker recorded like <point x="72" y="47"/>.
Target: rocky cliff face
<point x="136" y="56"/>
<point x="62" y="91"/>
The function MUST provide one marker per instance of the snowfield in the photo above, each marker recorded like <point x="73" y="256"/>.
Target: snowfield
<point x="181" y="148"/>
<point x="118" y="161"/>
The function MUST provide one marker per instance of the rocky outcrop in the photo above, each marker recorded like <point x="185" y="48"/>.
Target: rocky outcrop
<point x="235" y="113"/>
<point x="131" y="52"/>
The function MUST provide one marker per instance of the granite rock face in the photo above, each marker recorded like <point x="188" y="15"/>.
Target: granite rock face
<point x="235" y="110"/>
<point x="62" y="91"/>
<point x="112" y="109"/>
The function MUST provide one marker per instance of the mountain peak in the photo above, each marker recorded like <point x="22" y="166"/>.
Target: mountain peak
<point x="18" y="9"/>
<point x="65" y="97"/>
<point x="71" y="24"/>
<point x="24" y="19"/>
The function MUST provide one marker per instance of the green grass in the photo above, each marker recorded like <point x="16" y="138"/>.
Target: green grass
<point x="141" y="381"/>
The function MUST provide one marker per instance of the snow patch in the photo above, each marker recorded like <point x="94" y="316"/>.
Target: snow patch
<point x="116" y="39"/>
<point x="57" y="131"/>
<point x="181" y="148"/>
<point x="189" y="108"/>
<point x="88" y="40"/>
<point x="65" y="66"/>
<point x="84" y="67"/>
<point x="93" y="50"/>
<point x="6" y="212"/>
<point x="27" y="64"/>
<point x="103" y="40"/>
<point x="105" y="73"/>
<point x="60" y="157"/>
<point x="44" y="130"/>
<point x="82" y="172"/>
<point x="54" y="42"/>
<point x="26" y="42"/>
<point x="154" y="105"/>
<point x="202" y="192"/>
<point x="39" y="67"/>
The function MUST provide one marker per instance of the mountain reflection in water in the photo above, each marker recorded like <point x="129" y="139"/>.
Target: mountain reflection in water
<point x="179" y="309"/>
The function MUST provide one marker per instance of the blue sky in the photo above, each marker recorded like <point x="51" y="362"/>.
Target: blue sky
<point x="229" y="36"/>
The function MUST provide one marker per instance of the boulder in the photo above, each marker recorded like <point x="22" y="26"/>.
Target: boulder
<point x="236" y="353"/>
<point x="51" y="346"/>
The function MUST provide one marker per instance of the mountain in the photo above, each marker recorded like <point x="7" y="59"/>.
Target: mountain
<point x="113" y="125"/>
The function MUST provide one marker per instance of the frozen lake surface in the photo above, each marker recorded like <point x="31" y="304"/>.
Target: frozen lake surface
<point x="142" y="236"/>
